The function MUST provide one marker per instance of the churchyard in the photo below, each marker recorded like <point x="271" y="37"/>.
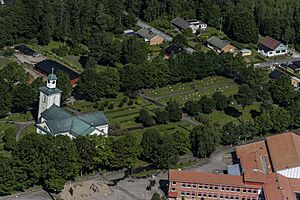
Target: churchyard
<point x="3" y="127"/>
<point x="183" y="92"/>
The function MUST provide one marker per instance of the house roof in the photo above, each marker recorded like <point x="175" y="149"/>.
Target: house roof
<point x="297" y="63"/>
<point x="292" y="66"/>
<point x="276" y="74"/>
<point x="173" y="48"/>
<point x="60" y="121"/>
<point x="245" y="50"/>
<point x="47" y="65"/>
<point x="208" y="178"/>
<point x="217" y="42"/>
<point x="270" y="43"/>
<point x="146" y="33"/>
<point x="181" y="23"/>
<point x="284" y="150"/>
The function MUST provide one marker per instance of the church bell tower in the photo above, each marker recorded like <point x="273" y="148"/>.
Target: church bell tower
<point x="49" y="95"/>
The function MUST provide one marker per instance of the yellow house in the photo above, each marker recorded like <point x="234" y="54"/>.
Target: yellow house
<point x="150" y="37"/>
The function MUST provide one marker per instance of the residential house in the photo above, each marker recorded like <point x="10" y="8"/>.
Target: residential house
<point x="193" y="24"/>
<point x="172" y="49"/>
<point x="295" y="81"/>
<point x="276" y="74"/>
<point x="246" y="52"/>
<point x="54" y="120"/>
<point x="46" y="67"/>
<point x="270" y="47"/>
<point x="268" y="170"/>
<point x="219" y="45"/>
<point x="150" y="37"/>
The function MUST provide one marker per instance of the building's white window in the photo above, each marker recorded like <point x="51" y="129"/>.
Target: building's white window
<point x="189" y="186"/>
<point x="182" y="193"/>
<point x="44" y="98"/>
<point x="173" y="183"/>
<point x="183" y="185"/>
<point x="173" y="189"/>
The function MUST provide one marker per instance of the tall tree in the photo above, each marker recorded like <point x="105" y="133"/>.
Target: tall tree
<point x="64" y="84"/>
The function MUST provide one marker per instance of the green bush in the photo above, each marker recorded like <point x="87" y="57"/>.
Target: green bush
<point x="130" y="102"/>
<point x="61" y="51"/>
<point x="111" y="106"/>
<point x="121" y="104"/>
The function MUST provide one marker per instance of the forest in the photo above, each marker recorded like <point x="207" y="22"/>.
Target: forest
<point x="82" y="21"/>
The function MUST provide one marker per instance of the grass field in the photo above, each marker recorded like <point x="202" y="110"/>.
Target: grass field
<point x="19" y="117"/>
<point x="71" y="61"/>
<point x="222" y="118"/>
<point x="4" y="61"/>
<point x="183" y="92"/>
<point x="3" y="127"/>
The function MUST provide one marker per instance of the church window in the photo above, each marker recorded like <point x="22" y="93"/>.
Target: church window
<point x="53" y="82"/>
<point x="44" y="98"/>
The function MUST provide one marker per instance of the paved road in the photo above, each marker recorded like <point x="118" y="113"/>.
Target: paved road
<point x="21" y="126"/>
<point x="154" y="30"/>
<point x="37" y="195"/>
<point x="270" y="63"/>
<point x="218" y="161"/>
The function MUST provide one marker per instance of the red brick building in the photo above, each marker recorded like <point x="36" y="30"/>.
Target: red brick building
<point x="269" y="171"/>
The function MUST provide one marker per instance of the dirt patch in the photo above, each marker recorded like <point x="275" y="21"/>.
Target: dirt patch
<point x="85" y="190"/>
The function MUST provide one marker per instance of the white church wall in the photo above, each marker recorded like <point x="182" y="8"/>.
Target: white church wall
<point x="104" y="129"/>
<point x="43" y="125"/>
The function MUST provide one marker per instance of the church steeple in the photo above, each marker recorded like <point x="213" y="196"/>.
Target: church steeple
<point x="51" y="82"/>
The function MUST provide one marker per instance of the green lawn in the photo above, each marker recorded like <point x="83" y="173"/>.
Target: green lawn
<point x="28" y="130"/>
<point x="69" y="60"/>
<point x="222" y="118"/>
<point x="183" y="92"/>
<point x="212" y="32"/>
<point x="3" y="127"/>
<point x="19" y="117"/>
<point x="4" y="61"/>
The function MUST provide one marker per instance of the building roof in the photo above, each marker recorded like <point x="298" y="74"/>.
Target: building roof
<point x="217" y="42"/>
<point x="26" y="50"/>
<point x="55" y="112"/>
<point x="146" y="33"/>
<point x="47" y="65"/>
<point x="234" y="170"/>
<point x="276" y="74"/>
<point x="270" y="43"/>
<point x="181" y="23"/>
<point x="284" y="150"/>
<point x="292" y="66"/>
<point x="278" y="187"/>
<point x="245" y="50"/>
<point x="208" y="178"/>
<point x="173" y="48"/>
<point x="297" y="62"/>
<point x="60" y="121"/>
<point x="52" y="77"/>
<point x="50" y="91"/>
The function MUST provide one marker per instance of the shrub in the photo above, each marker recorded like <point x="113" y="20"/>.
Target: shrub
<point x="125" y="100"/>
<point x="121" y="104"/>
<point x="105" y="103"/>
<point x="111" y="106"/>
<point x="130" y="102"/>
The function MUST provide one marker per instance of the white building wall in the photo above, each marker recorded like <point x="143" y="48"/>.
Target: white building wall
<point x="46" y="102"/>
<point x="103" y="129"/>
<point x="290" y="173"/>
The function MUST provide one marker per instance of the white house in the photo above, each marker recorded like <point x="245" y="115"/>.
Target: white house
<point x="54" y="120"/>
<point x="270" y="47"/>
<point x="193" y="24"/>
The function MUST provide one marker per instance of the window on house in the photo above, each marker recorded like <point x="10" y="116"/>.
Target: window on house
<point x="194" y="186"/>
<point x="221" y="197"/>
<point x="227" y="189"/>
<point x="182" y="193"/>
<point x="277" y="51"/>
<point x="249" y="191"/>
<point x="238" y="189"/>
<point x="271" y="52"/>
<point x="188" y="186"/>
<point x="237" y="198"/>
<point x="231" y="197"/>
<point x="254" y="191"/>
<point x="200" y="186"/>
<point x="183" y="185"/>
<point x="211" y="187"/>
<point x="222" y="189"/>
<point x="215" y="196"/>
<point x="206" y="187"/>
<point x="199" y="194"/>
<point x="193" y="194"/>
<point x="188" y="194"/>
<point x="173" y="189"/>
<point x="283" y="51"/>
<point x="232" y="189"/>
<point x="244" y="190"/>
<point x="174" y="183"/>
<point x="209" y="196"/>
<point x="216" y="188"/>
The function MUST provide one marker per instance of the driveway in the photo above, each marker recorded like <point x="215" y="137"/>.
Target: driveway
<point x="37" y="195"/>
<point x="154" y="30"/>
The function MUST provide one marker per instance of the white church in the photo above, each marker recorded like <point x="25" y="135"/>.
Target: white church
<point x="54" y="120"/>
